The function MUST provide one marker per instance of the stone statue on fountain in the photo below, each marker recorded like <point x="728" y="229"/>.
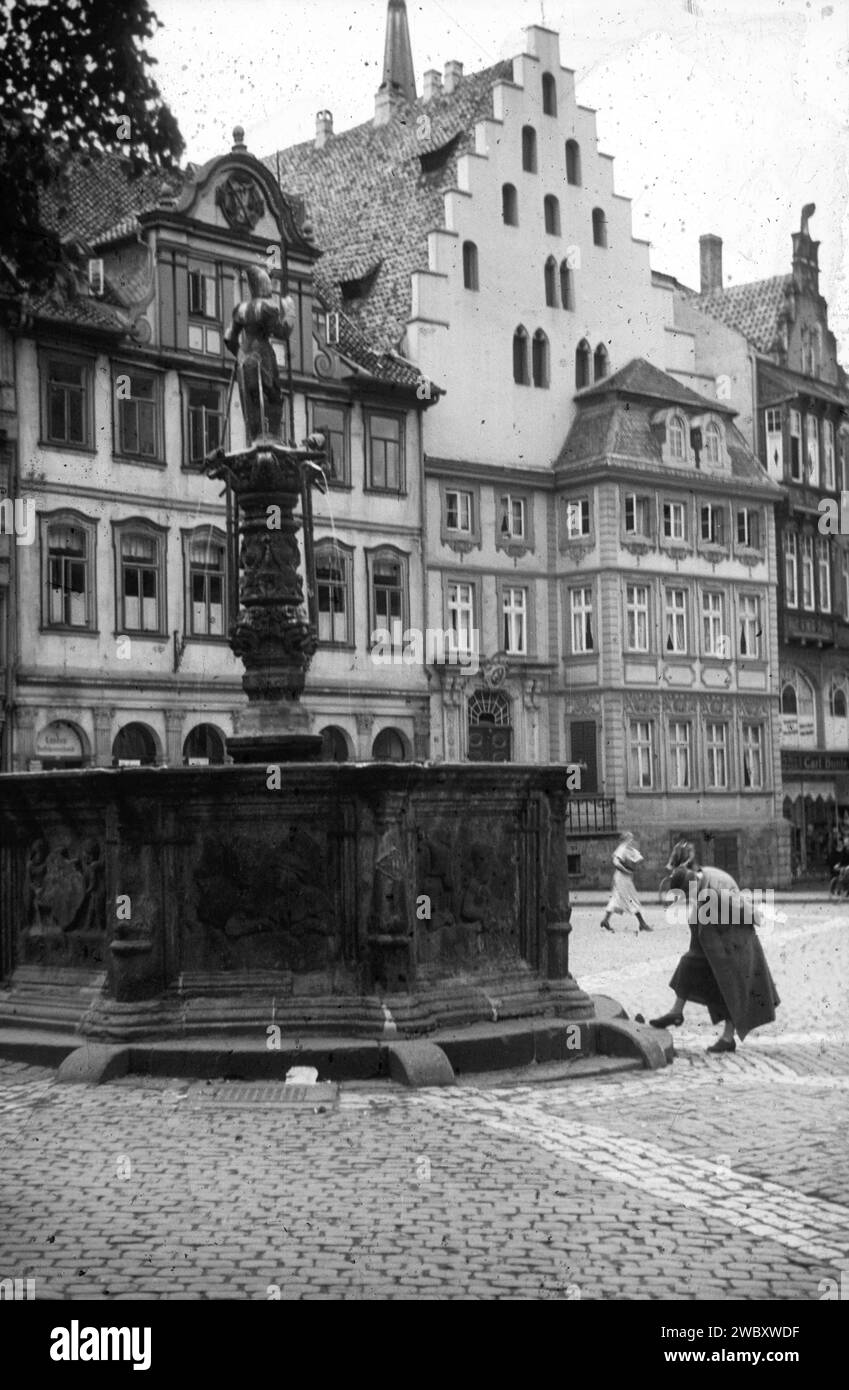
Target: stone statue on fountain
<point x="272" y="632"/>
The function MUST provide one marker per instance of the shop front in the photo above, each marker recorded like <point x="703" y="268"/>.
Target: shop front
<point x="816" y="803"/>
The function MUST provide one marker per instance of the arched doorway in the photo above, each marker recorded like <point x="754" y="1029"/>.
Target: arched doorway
<point x="334" y="745"/>
<point x="204" y="745"/>
<point x="490" y="731"/>
<point x="389" y="747"/>
<point x="134" y="746"/>
<point x="60" y="745"/>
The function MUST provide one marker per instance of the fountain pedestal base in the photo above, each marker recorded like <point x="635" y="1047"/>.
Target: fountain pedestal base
<point x="274" y="731"/>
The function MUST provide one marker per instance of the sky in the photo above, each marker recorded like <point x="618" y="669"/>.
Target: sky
<point x="724" y="116"/>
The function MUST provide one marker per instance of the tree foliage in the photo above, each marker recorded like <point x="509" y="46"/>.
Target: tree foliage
<point x="75" y="80"/>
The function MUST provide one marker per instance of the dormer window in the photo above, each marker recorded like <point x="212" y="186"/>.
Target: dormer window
<point x="713" y="443"/>
<point x="434" y="161"/>
<point x="677" y="438"/>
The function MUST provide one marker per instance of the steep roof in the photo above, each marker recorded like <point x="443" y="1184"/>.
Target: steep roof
<point x="372" y="204"/>
<point x="639" y="378"/>
<point x="614" y="424"/>
<point x="96" y="195"/>
<point x="754" y="309"/>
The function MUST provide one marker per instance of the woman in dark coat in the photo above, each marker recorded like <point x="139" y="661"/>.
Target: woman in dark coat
<point x="724" y="968"/>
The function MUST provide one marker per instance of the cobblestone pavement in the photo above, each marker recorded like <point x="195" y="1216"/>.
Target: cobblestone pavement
<point x="720" y="1177"/>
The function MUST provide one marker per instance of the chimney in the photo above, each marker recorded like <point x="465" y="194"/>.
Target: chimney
<point x="399" y="82"/>
<point x="710" y="253"/>
<point x="323" y="128"/>
<point x="432" y="84"/>
<point x="453" y="73"/>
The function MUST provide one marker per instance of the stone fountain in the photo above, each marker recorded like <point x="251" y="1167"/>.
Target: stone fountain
<point x="182" y="919"/>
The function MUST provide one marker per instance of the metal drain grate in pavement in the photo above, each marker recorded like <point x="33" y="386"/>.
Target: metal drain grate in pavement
<point x="244" y="1093"/>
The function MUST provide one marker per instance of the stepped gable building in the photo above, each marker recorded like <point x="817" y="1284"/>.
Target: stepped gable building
<point x="666" y="569"/>
<point x="476" y="231"/>
<point x="115" y="387"/>
<point x="770" y="346"/>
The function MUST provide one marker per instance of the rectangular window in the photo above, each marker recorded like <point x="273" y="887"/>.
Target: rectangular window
<point x="828" y="455"/>
<point x="675" y="641"/>
<point x="774" y="444"/>
<point x="458" y="512"/>
<point x="748" y="528"/>
<point x="843" y="445"/>
<point x="207" y="587"/>
<point x="461" y="616"/>
<point x="714" y="641"/>
<point x="68" y="575"/>
<point x="812" y="450"/>
<point x="713" y="527"/>
<point x="637" y="515"/>
<point x="637" y="617"/>
<point x="137" y="414"/>
<point x="674" y="521"/>
<point x="332" y="422"/>
<point x="791" y="570"/>
<point x="331" y="580"/>
<point x="845" y="569"/>
<point x="716" y="747"/>
<point x="796" y="446"/>
<point x="578" y="518"/>
<point x="808" y="572"/>
<point x="582" y="620"/>
<point x="513" y="517"/>
<point x="203" y="293"/>
<point x="67" y="403"/>
<point x="679" y="756"/>
<point x="753" y="758"/>
<point x="205" y="421"/>
<point x="750" y="627"/>
<point x="140" y="582"/>
<point x="388" y="593"/>
<point x="824" y="574"/>
<point x="641" y="750"/>
<point x="515" y="611"/>
<point x="385" y="451"/>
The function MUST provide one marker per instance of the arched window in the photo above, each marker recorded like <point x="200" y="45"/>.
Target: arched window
<point x="573" y="162"/>
<point x="549" y="95"/>
<point x="509" y="205"/>
<point x="677" y="438"/>
<point x="389" y="747"/>
<point x="713" y="443"/>
<point x="599" y="227"/>
<point x="540" y="359"/>
<point x="788" y="700"/>
<point x="551" y="211"/>
<point x="334" y="745"/>
<point x="551" y="282"/>
<point x="567" y="286"/>
<point x="205" y="744"/>
<point x="134" y="746"/>
<point x="520" y="357"/>
<point x="582" y="364"/>
<point x="838" y="701"/>
<point x="470" y="266"/>
<point x="600" y="363"/>
<point x="529" y="149"/>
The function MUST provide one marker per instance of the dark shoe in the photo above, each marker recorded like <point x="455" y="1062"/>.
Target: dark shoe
<point x="667" y="1021"/>
<point x="606" y="925"/>
<point x="722" y="1046"/>
<point x="644" y="926"/>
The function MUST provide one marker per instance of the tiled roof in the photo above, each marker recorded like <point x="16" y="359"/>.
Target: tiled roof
<point x="755" y="309"/>
<point x="780" y="384"/>
<point x="354" y="348"/>
<point x="608" y="427"/>
<point x="639" y="378"/>
<point x="369" y="201"/>
<point x="81" y="312"/>
<point x="94" y="197"/>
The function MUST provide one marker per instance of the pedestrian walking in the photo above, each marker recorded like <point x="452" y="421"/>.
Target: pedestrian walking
<point x="839" y="885"/>
<point x="623" y="897"/>
<point x="724" y="967"/>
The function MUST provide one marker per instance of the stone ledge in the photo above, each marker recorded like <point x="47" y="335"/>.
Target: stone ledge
<point x="419" y="1064"/>
<point x="93" y="1063"/>
<point x="618" y="1037"/>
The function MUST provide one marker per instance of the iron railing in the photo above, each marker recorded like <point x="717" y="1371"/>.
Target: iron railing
<point x="590" y="815"/>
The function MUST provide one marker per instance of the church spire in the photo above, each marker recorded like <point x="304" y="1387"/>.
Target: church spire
<point x="399" y="80"/>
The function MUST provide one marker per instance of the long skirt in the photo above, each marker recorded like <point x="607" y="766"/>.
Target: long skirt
<point x="695" y="981"/>
<point x="624" y="895"/>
